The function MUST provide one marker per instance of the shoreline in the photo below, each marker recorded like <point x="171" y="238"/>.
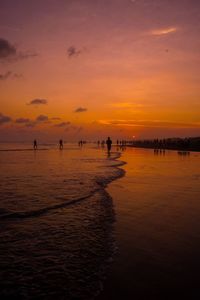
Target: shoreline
<point x="78" y="234"/>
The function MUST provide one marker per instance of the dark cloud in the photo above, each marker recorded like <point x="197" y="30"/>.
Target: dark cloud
<point x="73" y="52"/>
<point x="32" y="123"/>
<point x="6" y="49"/>
<point x="62" y="124"/>
<point x="9" y="52"/>
<point x="80" y="109"/>
<point x="4" y="119"/>
<point x="22" y="120"/>
<point x="42" y="118"/>
<point x="5" y="76"/>
<point x="11" y="75"/>
<point x="26" y="122"/>
<point x="38" y="102"/>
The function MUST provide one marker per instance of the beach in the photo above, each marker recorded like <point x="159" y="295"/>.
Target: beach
<point x="99" y="150"/>
<point x="157" y="227"/>
<point x="78" y="223"/>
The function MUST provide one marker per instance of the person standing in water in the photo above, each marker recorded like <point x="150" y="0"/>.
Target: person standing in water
<point x="61" y="144"/>
<point x="109" y="143"/>
<point x="34" y="144"/>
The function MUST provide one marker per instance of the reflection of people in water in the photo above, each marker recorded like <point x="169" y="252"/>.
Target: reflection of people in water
<point x="102" y="144"/>
<point x="80" y="143"/>
<point x="109" y="143"/>
<point x="34" y="144"/>
<point x="61" y="144"/>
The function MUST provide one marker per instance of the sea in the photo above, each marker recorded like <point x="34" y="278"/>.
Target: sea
<point x="79" y="223"/>
<point x="56" y="220"/>
<point x="157" y="229"/>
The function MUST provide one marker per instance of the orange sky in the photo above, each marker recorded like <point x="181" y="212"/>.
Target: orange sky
<point x="88" y="69"/>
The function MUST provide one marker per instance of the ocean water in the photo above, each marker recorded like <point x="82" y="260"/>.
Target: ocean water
<point x="69" y="219"/>
<point x="56" y="221"/>
<point x="157" y="229"/>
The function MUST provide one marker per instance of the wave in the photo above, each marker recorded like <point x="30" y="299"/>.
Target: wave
<point x="100" y="183"/>
<point x="42" y="211"/>
<point x="65" y="253"/>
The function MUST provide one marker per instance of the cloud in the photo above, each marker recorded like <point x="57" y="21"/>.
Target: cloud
<point x="62" y="124"/>
<point x="11" y="75"/>
<point x="73" y="52"/>
<point x="22" y="120"/>
<point x="30" y="124"/>
<point x="149" y="123"/>
<point x="5" y="76"/>
<point x="26" y="122"/>
<point x="27" y="54"/>
<point x="17" y="75"/>
<point x="42" y="118"/>
<point x="80" y="109"/>
<point x="164" y="31"/>
<point x="6" y="49"/>
<point x="38" y="102"/>
<point x="9" y="52"/>
<point x="4" y="119"/>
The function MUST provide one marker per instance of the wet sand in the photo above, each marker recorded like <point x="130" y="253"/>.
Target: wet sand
<point x="157" y="227"/>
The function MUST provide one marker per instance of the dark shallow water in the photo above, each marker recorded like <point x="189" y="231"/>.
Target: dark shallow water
<point x="157" y="207"/>
<point x="56" y="222"/>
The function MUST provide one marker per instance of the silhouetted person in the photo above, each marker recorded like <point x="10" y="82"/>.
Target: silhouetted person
<point x="102" y="144"/>
<point x="34" y="144"/>
<point x="61" y="144"/>
<point x="109" y="143"/>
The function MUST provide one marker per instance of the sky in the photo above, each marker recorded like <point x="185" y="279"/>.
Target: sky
<point x="88" y="69"/>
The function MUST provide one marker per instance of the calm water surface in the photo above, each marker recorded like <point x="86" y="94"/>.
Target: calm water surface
<point x="157" y="206"/>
